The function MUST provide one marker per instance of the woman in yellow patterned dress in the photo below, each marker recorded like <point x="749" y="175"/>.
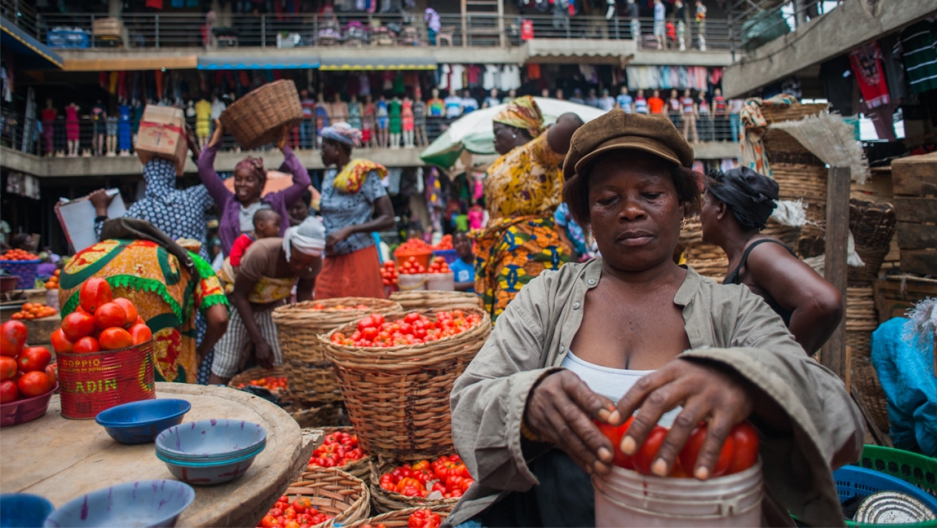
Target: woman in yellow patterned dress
<point x="522" y="190"/>
<point x="165" y="294"/>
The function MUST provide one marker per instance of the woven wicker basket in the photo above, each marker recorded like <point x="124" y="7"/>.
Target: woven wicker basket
<point x="255" y="373"/>
<point x="310" y="375"/>
<point x="386" y="501"/>
<point x="359" y="468"/>
<point x="436" y="300"/>
<point x="398" y="397"/>
<point x="872" y="226"/>
<point x="258" y="118"/>
<point x="333" y="492"/>
<point x="327" y="415"/>
<point x="865" y="381"/>
<point x="399" y="518"/>
<point x="861" y="321"/>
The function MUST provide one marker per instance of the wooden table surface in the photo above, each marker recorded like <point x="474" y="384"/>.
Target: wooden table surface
<point x="63" y="459"/>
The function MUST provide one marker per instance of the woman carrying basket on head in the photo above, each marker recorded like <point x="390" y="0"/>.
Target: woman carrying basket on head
<point x="353" y="205"/>
<point x="237" y="208"/>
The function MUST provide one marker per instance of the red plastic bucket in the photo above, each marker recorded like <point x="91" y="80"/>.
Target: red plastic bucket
<point x="91" y="383"/>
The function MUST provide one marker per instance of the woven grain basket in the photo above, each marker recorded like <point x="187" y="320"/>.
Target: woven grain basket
<point x="359" y="468"/>
<point x="865" y="381"/>
<point x="333" y="492"/>
<point x="311" y="377"/>
<point x="436" y="300"/>
<point x="872" y="226"/>
<point x="399" y="518"/>
<point x="398" y="397"/>
<point x="861" y="321"/>
<point x="258" y="118"/>
<point x="326" y="415"/>
<point x="386" y="501"/>
<point x="709" y="260"/>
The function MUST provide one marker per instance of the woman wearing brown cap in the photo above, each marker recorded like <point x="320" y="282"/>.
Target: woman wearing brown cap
<point x="634" y="328"/>
<point x="522" y="191"/>
<point x="735" y="209"/>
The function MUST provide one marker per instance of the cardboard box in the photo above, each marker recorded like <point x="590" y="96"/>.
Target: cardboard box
<point x="162" y="135"/>
<point x="107" y="27"/>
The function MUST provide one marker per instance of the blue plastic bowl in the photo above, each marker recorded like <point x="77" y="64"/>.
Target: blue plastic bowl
<point x="23" y="510"/>
<point x="210" y="473"/>
<point x="140" y="422"/>
<point x="853" y="481"/>
<point x="210" y="440"/>
<point x="144" y="503"/>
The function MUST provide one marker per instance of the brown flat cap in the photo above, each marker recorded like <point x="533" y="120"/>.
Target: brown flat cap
<point x="618" y="130"/>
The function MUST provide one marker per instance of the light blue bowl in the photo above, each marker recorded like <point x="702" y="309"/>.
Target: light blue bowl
<point x="23" y="510"/>
<point x="210" y="440"/>
<point x="208" y="474"/>
<point x="145" y="503"/>
<point x="140" y="422"/>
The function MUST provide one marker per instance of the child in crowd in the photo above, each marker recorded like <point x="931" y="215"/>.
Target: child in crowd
<point x="266" y="225"/>
<point x="464" y="267"/>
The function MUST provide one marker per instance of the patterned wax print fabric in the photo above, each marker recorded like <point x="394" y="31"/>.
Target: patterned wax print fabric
<point x="523" y="189"/>
<point x="166" y="295"/>
<point x="339" y="209"/>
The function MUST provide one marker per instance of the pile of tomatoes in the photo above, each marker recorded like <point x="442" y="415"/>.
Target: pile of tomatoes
<point x="446" y="475"/>
<point x="298" y="514"/>
<point x="271" y="383"/>
<point x="25" y="371"/>
<point x="444" y="243"/>
<point x="18" y="254"/>
<point x="339" y="308"/>
<point x="412" y="329"/>
<point x="739" y="452"/>
<point x="389" y="273"/>
<point x="414" y="246"/>
<point x="100" y="322"/>
<point x="53" y="282"/>
<point x="439" y="266"/>
<point x="336" y="450"/>
<point x="34" y="311"/>
<point x="419" y="519"/>
<point x="411" y="267"/>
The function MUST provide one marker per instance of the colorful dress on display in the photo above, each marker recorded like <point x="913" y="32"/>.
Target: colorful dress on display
<point x="407" y="115"/>
<point x="354" y="115"/>
<point x="523" y="189"/>
<point x="166" y="295"/>
<point x="71" y="123"/>
<point x="382" y="114"/>
<point x="395" y="121"/>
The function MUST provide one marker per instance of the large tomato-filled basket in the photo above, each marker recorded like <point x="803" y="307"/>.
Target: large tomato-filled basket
<point x="399" y="518"/>
<point x="334" y="493"/>
<point x="384" y="500"/>
<point x="310" y="375"/>
<point x="397" y="397"/>
<point x="436" y="300"/>
<point x="359" y="468"/>
<point x="258" y="118"/>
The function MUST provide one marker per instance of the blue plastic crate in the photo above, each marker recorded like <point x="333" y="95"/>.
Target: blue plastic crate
<point x="68" y="39"/>
<point x="450" y="255"/>
<point x="853" y="481"/>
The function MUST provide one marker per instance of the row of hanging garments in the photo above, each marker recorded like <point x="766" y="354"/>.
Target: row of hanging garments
<point x="667" y="77"/>
<point x="455" y="77"/>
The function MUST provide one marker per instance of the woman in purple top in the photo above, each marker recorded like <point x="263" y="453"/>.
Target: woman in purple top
<point x="237" y="208"/>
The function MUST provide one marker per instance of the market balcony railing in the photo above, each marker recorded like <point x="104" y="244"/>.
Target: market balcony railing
<point x="82" y="31"/>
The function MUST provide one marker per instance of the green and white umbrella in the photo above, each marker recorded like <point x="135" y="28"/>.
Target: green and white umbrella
<point x="473" y="132"/>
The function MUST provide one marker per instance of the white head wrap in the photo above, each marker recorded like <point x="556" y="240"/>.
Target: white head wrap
<point x="308" y="237"/>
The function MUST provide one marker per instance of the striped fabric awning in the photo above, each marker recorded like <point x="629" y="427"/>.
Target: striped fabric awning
<point x="378" y="63"/>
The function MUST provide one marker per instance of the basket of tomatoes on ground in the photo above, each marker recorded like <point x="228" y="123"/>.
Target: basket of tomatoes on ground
<point x="27" y="376"/>
<point x="408" y="518"/>
<point x="328" y="496"/>
<point x="309" y="374"/>
<point x="397" y="370"/>
<point x="340" y="450"/>
<point x="53" y="282"/>
<point x="22" y="264"/>
<point x="274" y="380"/>
<point x="105" y="352"/>
<point x="438" y="483"/>
<point x="739" y="452"/>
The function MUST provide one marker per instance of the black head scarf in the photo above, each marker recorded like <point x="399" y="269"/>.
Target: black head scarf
<point x="750" y="196"/>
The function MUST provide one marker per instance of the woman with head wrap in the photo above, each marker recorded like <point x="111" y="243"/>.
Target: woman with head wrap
<point x="269" y="270"/>
<point x="237" y="208"/>
<point x="735" y="209"/>
<point x="522" y="190"/>
<point x="353" y="205"/>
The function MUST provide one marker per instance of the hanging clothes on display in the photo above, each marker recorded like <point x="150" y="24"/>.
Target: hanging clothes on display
<point x="920" y="55"/>
<point x="490" y="77"/>
<point x="867" y="65"/>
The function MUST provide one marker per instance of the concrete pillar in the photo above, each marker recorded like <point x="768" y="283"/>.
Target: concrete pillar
<point x="800" y="14"/>
<point x="114" y="7"/>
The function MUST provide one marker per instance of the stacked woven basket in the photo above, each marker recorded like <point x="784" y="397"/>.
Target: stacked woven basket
<point x="709" y="260"/>
<point x="259" y="117"/>
<point x="435" y="300"/>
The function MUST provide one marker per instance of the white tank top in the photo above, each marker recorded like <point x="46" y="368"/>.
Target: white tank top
<point x="611" y="382"/>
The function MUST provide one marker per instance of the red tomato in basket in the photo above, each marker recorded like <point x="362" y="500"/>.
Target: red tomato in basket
<point x="140" y="333"/>
<point x="34" y="384"/>
<point x="86" y="345"/>
<point x="12" y="338"/>
<point x="110" y="315"/>
<point x="7" y="368"/>
<point x="131" y="310"/>
<point x="34" y="358"/>
<point x="691" y="450"/>
<point x="60" y="343"/>
<point x="77" y="325"/>
<point x="746" y="448"/>
<point x="8" y="391"/>
<point x="94" y="293"/>
<point x="115" y="339"/>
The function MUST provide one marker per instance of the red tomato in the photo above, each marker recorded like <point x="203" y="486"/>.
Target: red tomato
<point x="52" y="370"/>
<point x="616" y="434"/>
<point x="77" y="325"/>
<point x="140" y="333"/>
<point x="140" y="320"/>
<point x="130" y="309"/>
<point x="8" y="391"/>
<point x="12" y="338"/>
<point x="269" y="521"/>
<point x="746" y="448"/>
<point x="7" y="368"/>
<point x="115" y="339"/>
<point x="34" y="384"/>
<point x="60" y="343"/>
<point x="109" y="315"/>
<point x="34" y="358"/>
<point x="691" y="450"/>
<point x="94" y="293"/>
<point x="86" y="345"/>
<point x="647" y="453"/>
